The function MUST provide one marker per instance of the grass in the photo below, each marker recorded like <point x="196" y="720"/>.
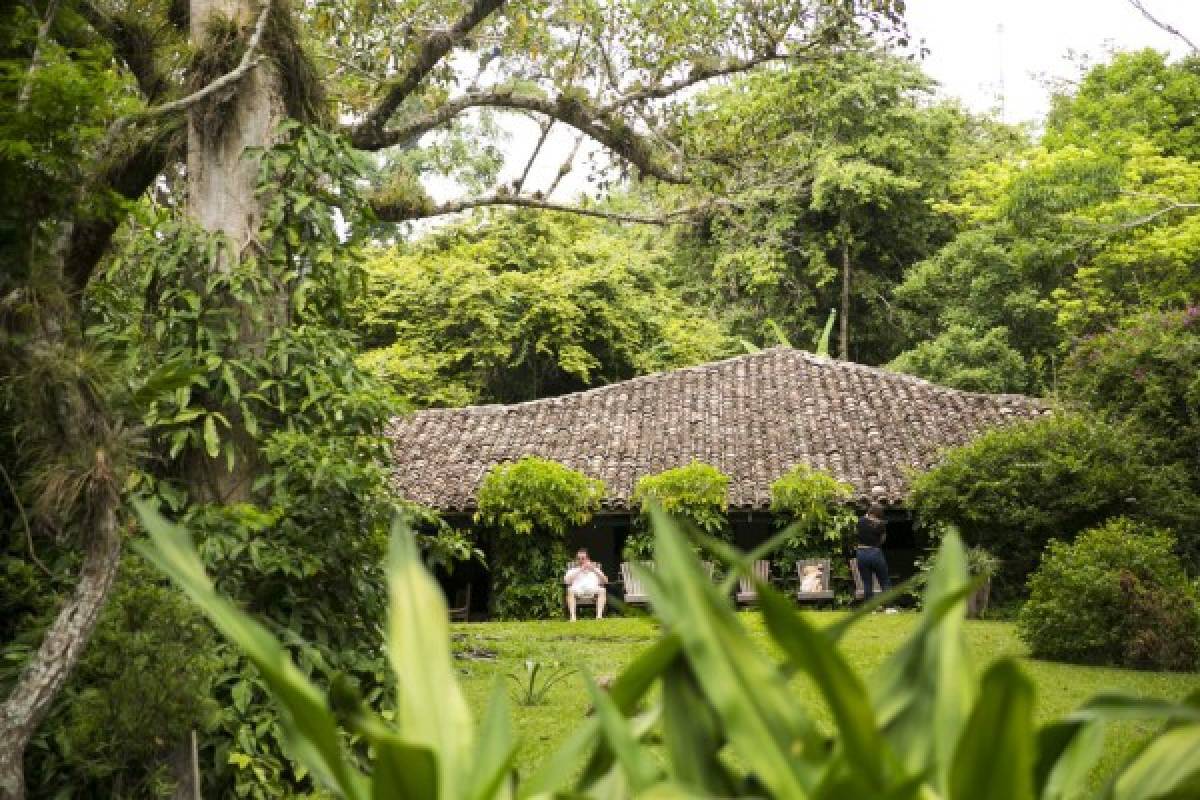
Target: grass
<point x="604" y="647"/>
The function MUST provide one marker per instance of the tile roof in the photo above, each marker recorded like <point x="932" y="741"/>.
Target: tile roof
<point x="753" y="417"/>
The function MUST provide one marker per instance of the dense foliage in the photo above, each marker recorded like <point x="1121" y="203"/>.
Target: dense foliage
<point x="844" y="162"/>
<point x="528" y="507"/>
<point x="1096" y="223"/>
<point x="1146" y="373"/>
<point x="1116" y="595"/>
<point x="1015" y="489"/>
<point x="524" y="307"/>
<point x="928" y="725"/>
<point x="139" y="691"/>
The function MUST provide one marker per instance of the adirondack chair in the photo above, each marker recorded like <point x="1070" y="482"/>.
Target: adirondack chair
<point x="747" y="595"/>
<point x="461" y="609"/>
<point x="826" y="592"/>
<point x="859" y="591"/>
<point x="635" y="593"/>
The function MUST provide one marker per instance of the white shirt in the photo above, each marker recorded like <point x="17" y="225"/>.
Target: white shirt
<point x="583" y="581"/>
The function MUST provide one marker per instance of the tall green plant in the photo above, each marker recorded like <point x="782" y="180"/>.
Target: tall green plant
<point x="529" y="506"/>
<point x="925" y="727"/>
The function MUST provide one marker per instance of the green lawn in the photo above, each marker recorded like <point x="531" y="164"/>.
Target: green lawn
<point x="603" y="647"/>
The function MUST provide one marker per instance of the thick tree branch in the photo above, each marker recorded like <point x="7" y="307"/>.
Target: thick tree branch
<point x="250" y="59"/>
<point x="1148" y="218"/>
<point x="138" y="59"/>
<point x="566" y="166"/>
<point x="130" y="178"/>
<point x="431" y="51"/>
<point x="48" y="669"/>
<point x="537" y="150"/>
<point x="403" y="213"/>
<point x="1163" y="25"/>
<point x="695" y="76"/>
<point x="612" y="132"/>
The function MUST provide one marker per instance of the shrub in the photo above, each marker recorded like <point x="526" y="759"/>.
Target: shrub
<point x="722" y="705"/>
<point x="1014" y="489"/>
<point x="529" y="506"/>
<point x="1117" y="595"/>
<point x="696" y="495"/>
<point x="1145" y="372"/>
<point x="815" y="505"/>
<point x="142" y="684"/>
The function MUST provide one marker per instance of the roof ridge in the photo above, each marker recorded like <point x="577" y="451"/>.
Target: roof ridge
<point x="651" y="377"/>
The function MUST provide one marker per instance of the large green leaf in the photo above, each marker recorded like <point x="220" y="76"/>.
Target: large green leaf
<point x="925" y="690"/>
<point x="580" y="748"/>
<point x="692" y="734"/>
<point x="309" y="726"/>
<point x="994" y="757"/>
<point x="1168" y="764"/>
<point x="627" y="692"/>
<point x="639" y="767"/>
<point x="842" y="690"/>
<point x="430" y="707"/>
<point x="765" y="727"/>
<point x="1066" y="753"/>
<point x="402" y="771"/>
<point x="492" y="771"/>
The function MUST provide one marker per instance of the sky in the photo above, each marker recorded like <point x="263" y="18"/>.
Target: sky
<point x="978" y="47"/>
<point x="993" y="55"/>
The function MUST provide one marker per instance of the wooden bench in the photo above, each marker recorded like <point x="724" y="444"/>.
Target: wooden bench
<point x="635" y="592"/>
<point x="747" y="594"/>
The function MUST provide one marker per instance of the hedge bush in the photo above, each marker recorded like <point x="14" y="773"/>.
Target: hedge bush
<point x="529" y="506"/>
<point x="1117" y="595"/>
<point x="1014" y="489"/>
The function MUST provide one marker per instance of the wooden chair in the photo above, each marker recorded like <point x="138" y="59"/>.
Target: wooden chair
<point x="859" y="592"/>
<point x="826" y="592"/>
<point x="747" y="595"/>
<point x="461" y="610"/>
<point x="579" y="601"/>
<point x="635" y="592"/>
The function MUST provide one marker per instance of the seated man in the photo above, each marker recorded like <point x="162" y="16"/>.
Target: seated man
<point x="585" y="581"/>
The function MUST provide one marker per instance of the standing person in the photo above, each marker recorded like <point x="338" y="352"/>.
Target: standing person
<point x="872" y="533"/>
<point x="585" y="581"/>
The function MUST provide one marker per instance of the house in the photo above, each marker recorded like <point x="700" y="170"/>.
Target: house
<point x="754" y="417"/>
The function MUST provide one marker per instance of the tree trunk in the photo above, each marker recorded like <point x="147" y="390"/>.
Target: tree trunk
<point x="45" y="674"/>
<point x="844" y="323"/>
<point x="222" y="199"/>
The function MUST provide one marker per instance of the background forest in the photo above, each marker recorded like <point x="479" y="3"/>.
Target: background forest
<point x="227" y="335"/>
